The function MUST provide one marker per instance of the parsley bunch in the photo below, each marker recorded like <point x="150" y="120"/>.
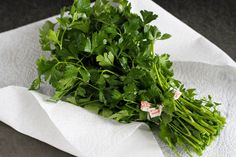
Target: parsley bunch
<point x="102" y="59"/>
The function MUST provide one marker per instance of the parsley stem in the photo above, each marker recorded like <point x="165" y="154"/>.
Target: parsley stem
<point x="103" y="71"/>
<point x="130" y="101"/>
<point x="88" y="84"/>
<point x="88" y="102"/>
<point x="135" y="109"/>
<point x="62" y="36"/>
<point x="184" y="134"/>
<point x="159" y="78"/>
<point x="152" y="49"/>
<point x="194" y="124"/>
<point x="64" y="62"/>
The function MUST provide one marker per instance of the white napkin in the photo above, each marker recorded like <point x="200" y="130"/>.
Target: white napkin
<point x="197" y="62"/>
<point x="73" y="129"/>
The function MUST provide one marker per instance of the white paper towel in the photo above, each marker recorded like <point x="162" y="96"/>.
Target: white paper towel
<point x="197" y="62"/>
<point x="72" y="128"/>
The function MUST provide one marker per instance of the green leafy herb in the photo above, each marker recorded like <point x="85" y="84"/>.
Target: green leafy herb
<point x="102" y="58"/>
<point x="106" y="59"/>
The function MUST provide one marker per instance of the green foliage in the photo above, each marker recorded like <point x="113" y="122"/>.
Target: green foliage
<point x="102" y="58"/>
<point x="121" y="115"/>
<point x="106" y="59"/>
<point x="44" y="35"/>
<point x="148" y="16"/>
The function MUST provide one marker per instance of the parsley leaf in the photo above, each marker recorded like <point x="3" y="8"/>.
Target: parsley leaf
<point x="106" y="60"/>
<point x="148" y="16"/>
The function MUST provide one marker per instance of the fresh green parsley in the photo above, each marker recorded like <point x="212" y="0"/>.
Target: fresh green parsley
<point x="102" y="59"/>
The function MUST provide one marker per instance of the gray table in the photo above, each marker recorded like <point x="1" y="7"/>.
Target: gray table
<point x="215" y="19"/>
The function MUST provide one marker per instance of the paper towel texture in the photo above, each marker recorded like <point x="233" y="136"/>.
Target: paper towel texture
<point x="72" y="128"/>
<point x="197" y="62"/>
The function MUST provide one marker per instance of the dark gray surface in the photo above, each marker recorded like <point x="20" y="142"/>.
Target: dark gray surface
<point x="14" y="144"/>
<point x="215" y="19"/>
